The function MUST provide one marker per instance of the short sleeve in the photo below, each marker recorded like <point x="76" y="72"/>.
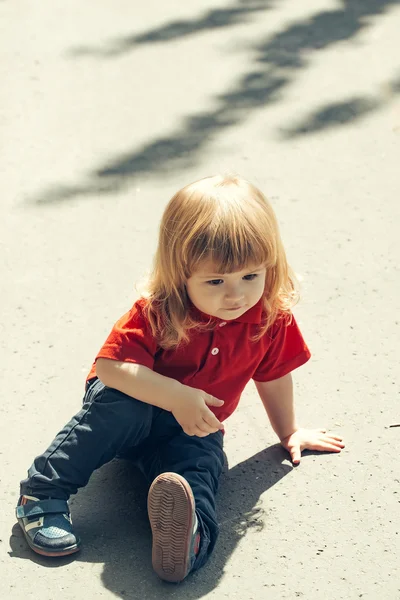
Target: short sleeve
<point x="286" y="352"/>
<point x="131" y="339"/>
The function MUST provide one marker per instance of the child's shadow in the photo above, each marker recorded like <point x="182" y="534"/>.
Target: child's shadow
<point x="110" y="516"/>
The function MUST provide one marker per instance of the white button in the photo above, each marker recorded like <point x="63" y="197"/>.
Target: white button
<point x="215" y="351"/>
<point x="222" y="324"/>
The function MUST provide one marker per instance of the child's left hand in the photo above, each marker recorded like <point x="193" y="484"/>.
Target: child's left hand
<point x="311" y="439"/>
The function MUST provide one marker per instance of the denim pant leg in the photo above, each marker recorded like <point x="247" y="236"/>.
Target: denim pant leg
<point x="108" y="422"/>
<point x="199" y="460"/>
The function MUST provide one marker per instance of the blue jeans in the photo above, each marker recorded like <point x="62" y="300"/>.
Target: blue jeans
<point x="113" y="424"/>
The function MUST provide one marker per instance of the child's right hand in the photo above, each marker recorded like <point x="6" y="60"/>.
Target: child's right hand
<point x="191" y="410"/>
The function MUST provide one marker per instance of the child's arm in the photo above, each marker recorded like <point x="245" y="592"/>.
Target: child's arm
<point x="188" y="405"/>
<point x="277" y="397"/>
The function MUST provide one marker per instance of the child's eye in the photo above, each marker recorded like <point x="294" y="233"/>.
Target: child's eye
<point x="250" y="277"/>
<point x="215" y="282"/>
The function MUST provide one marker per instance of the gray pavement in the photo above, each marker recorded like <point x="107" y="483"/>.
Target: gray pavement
<point x="108" y="108"/>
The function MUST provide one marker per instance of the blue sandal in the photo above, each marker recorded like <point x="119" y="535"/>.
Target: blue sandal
<point x="47" y="526"/>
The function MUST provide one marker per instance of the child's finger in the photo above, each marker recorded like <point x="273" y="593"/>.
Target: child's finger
<point x="295" y="454"/>
<point x="207" y="427"/>
<point x="327" y="447"/>
<point x="211" y="420"/>
<point x="332" y="439"/>
<point x="212" y="401"/>
<point x="197" y="431"/>
<point x="337" y="441"/>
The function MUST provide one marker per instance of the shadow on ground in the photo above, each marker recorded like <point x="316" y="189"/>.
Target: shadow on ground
<point x="219" y="18"/>
<point x="276" y="62"/>
<point x="344" y="112"/>
<point x="111" y="518"/>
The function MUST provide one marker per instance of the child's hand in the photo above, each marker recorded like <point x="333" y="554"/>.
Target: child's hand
<point x="311" y="439"/>
<point x="192" y="413"/>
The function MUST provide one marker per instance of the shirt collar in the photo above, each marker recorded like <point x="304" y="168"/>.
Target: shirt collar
<point x="253" y="315"/>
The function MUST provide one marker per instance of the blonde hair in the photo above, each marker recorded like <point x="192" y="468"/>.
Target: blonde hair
<point x="225" y="219"/>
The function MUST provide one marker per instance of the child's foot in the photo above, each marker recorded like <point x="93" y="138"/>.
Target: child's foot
<point x="47" y="526"/>
<point x="174" y="525"/>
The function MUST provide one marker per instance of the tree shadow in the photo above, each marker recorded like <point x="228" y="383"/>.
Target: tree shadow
<point x="111" y="517"/>
<point x="343" y="112"/>
<point x="276" y="62"/>
<point x="212" y="20"/>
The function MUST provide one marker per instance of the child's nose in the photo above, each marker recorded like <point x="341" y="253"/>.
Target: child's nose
<point x="234" y="294"/>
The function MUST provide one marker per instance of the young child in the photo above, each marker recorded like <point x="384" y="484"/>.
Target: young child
<point x="217" y="314"/>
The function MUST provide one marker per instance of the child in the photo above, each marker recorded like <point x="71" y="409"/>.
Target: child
<point x="217" y="314"/>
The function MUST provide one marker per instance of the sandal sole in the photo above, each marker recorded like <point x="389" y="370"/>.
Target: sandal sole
<point x="171" y="510"/>
<point x="44" y="552"/>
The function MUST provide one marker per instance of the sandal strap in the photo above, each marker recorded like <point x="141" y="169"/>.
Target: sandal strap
<point x="43" y="507"/>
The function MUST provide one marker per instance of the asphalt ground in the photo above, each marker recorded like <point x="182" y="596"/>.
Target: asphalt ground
<point x="106" y="110"/>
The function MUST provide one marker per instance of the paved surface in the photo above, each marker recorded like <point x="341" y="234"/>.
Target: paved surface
<point x="108" y="108"/>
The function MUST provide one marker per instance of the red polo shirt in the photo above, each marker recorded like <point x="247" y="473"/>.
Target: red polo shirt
<point x="219" y="361"/>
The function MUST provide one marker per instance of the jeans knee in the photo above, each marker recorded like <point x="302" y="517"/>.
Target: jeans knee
<point x="140" y="411"/>
<point x="121" y="406"/>
<point x="132" y="406"/>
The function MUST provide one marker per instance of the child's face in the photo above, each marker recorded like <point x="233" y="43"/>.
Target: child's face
<point x="226" y="295"/>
